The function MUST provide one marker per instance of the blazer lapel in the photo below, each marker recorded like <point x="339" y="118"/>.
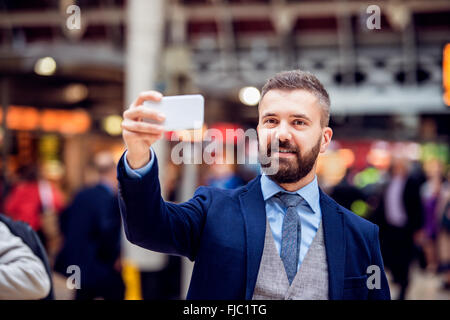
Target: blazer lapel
<point x="333" y="227"/>
<point x="254" y="212"/>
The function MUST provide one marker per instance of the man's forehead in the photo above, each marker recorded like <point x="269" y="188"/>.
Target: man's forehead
<point x="279" y="100"/>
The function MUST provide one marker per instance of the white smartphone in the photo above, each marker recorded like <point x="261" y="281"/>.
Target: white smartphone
<point x="182" y="112"/>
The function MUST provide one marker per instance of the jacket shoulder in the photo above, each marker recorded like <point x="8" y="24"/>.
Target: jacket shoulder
<point x="353" y="220"/>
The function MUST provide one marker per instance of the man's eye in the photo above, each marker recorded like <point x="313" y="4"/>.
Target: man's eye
<point x="270" y="121"/>
<point x="299" y="123"/>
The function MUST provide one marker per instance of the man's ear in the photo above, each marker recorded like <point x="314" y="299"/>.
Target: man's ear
<point x="327" y="134"/>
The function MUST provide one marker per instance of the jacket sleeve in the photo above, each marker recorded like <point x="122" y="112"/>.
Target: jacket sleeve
<point x="22" y="273"/>
<point x="382" y="292"/>
<point x="154" y="224"/>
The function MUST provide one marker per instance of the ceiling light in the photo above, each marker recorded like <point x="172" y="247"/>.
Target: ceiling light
<point x="113" y="125"/>
<point x="45" y="66"/>
<point x="75" y="92"/>
<point x="249" y="96"/>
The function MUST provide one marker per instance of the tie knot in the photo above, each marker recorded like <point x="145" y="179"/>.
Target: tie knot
<point x="289" y="199"/>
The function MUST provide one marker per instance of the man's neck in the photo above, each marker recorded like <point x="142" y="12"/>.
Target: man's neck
<point x="300" y="183"/>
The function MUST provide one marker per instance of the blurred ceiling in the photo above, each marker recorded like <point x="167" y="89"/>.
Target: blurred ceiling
<point x="229" y="44"/>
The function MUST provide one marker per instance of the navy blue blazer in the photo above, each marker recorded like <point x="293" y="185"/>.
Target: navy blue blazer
<point x="223" y="232"/>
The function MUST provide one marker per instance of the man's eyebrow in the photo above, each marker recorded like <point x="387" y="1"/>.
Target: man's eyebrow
<point x="300" y="115"/>
<point x="269" y="114"/>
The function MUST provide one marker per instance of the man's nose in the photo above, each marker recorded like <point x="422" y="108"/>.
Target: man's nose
<point x="283" y="133"/>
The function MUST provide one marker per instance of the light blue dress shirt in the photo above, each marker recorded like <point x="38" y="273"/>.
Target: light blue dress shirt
<point x="308" y="210"/>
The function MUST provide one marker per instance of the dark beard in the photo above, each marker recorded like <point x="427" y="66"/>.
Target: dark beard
<point x="291" y="171"/>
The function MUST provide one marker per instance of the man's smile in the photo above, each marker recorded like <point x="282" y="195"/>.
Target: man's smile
<point x="285" y="154"/>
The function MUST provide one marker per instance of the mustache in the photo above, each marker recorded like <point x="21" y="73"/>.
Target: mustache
<point x="284" y="145"/>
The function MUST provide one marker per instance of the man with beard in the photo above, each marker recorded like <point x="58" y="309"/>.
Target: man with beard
<point x="279" y="236"/>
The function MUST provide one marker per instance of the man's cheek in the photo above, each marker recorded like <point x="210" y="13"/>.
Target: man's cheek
<point x="263" y="137"/>
<point x="268" y="135"/>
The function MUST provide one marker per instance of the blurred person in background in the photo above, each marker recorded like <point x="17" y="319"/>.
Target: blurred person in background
<point x="222" y="173"/>
<point x="431" y="193"/>
<point x="172" y="179"/>
<point x="91" y="229"/>
<point x="170" y="276"/>
<point x="23" y="275"/>
<point x="2" y="186"/>
<point x="443" y="214"/>
<point x="399" y="215"/>
<point x="223" y="176"/>
<point x="36" y="201"/>
<point x="345" y="193"/>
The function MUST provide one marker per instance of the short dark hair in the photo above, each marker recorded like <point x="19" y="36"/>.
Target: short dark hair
<point x="298" y="79"/>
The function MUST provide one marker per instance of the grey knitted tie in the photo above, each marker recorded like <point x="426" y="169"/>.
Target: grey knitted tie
<point x="291" y="234"/>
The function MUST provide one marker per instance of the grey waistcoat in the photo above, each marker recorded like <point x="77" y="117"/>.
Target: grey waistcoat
<point x="310" y="282"/>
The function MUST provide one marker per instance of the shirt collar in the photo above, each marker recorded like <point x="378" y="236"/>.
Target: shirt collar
<point x="310" y="192"/>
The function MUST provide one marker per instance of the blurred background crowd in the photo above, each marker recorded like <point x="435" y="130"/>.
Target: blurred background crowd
<point x="64" y="84"/>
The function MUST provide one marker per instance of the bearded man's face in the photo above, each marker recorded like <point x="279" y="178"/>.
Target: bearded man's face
<point x="290" y="134"/>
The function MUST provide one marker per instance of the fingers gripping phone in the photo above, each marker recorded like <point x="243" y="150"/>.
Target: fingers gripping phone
<point x="182" y="112"/>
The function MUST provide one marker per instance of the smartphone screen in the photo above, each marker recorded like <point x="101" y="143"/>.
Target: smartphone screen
<point x="182" y="112"/>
